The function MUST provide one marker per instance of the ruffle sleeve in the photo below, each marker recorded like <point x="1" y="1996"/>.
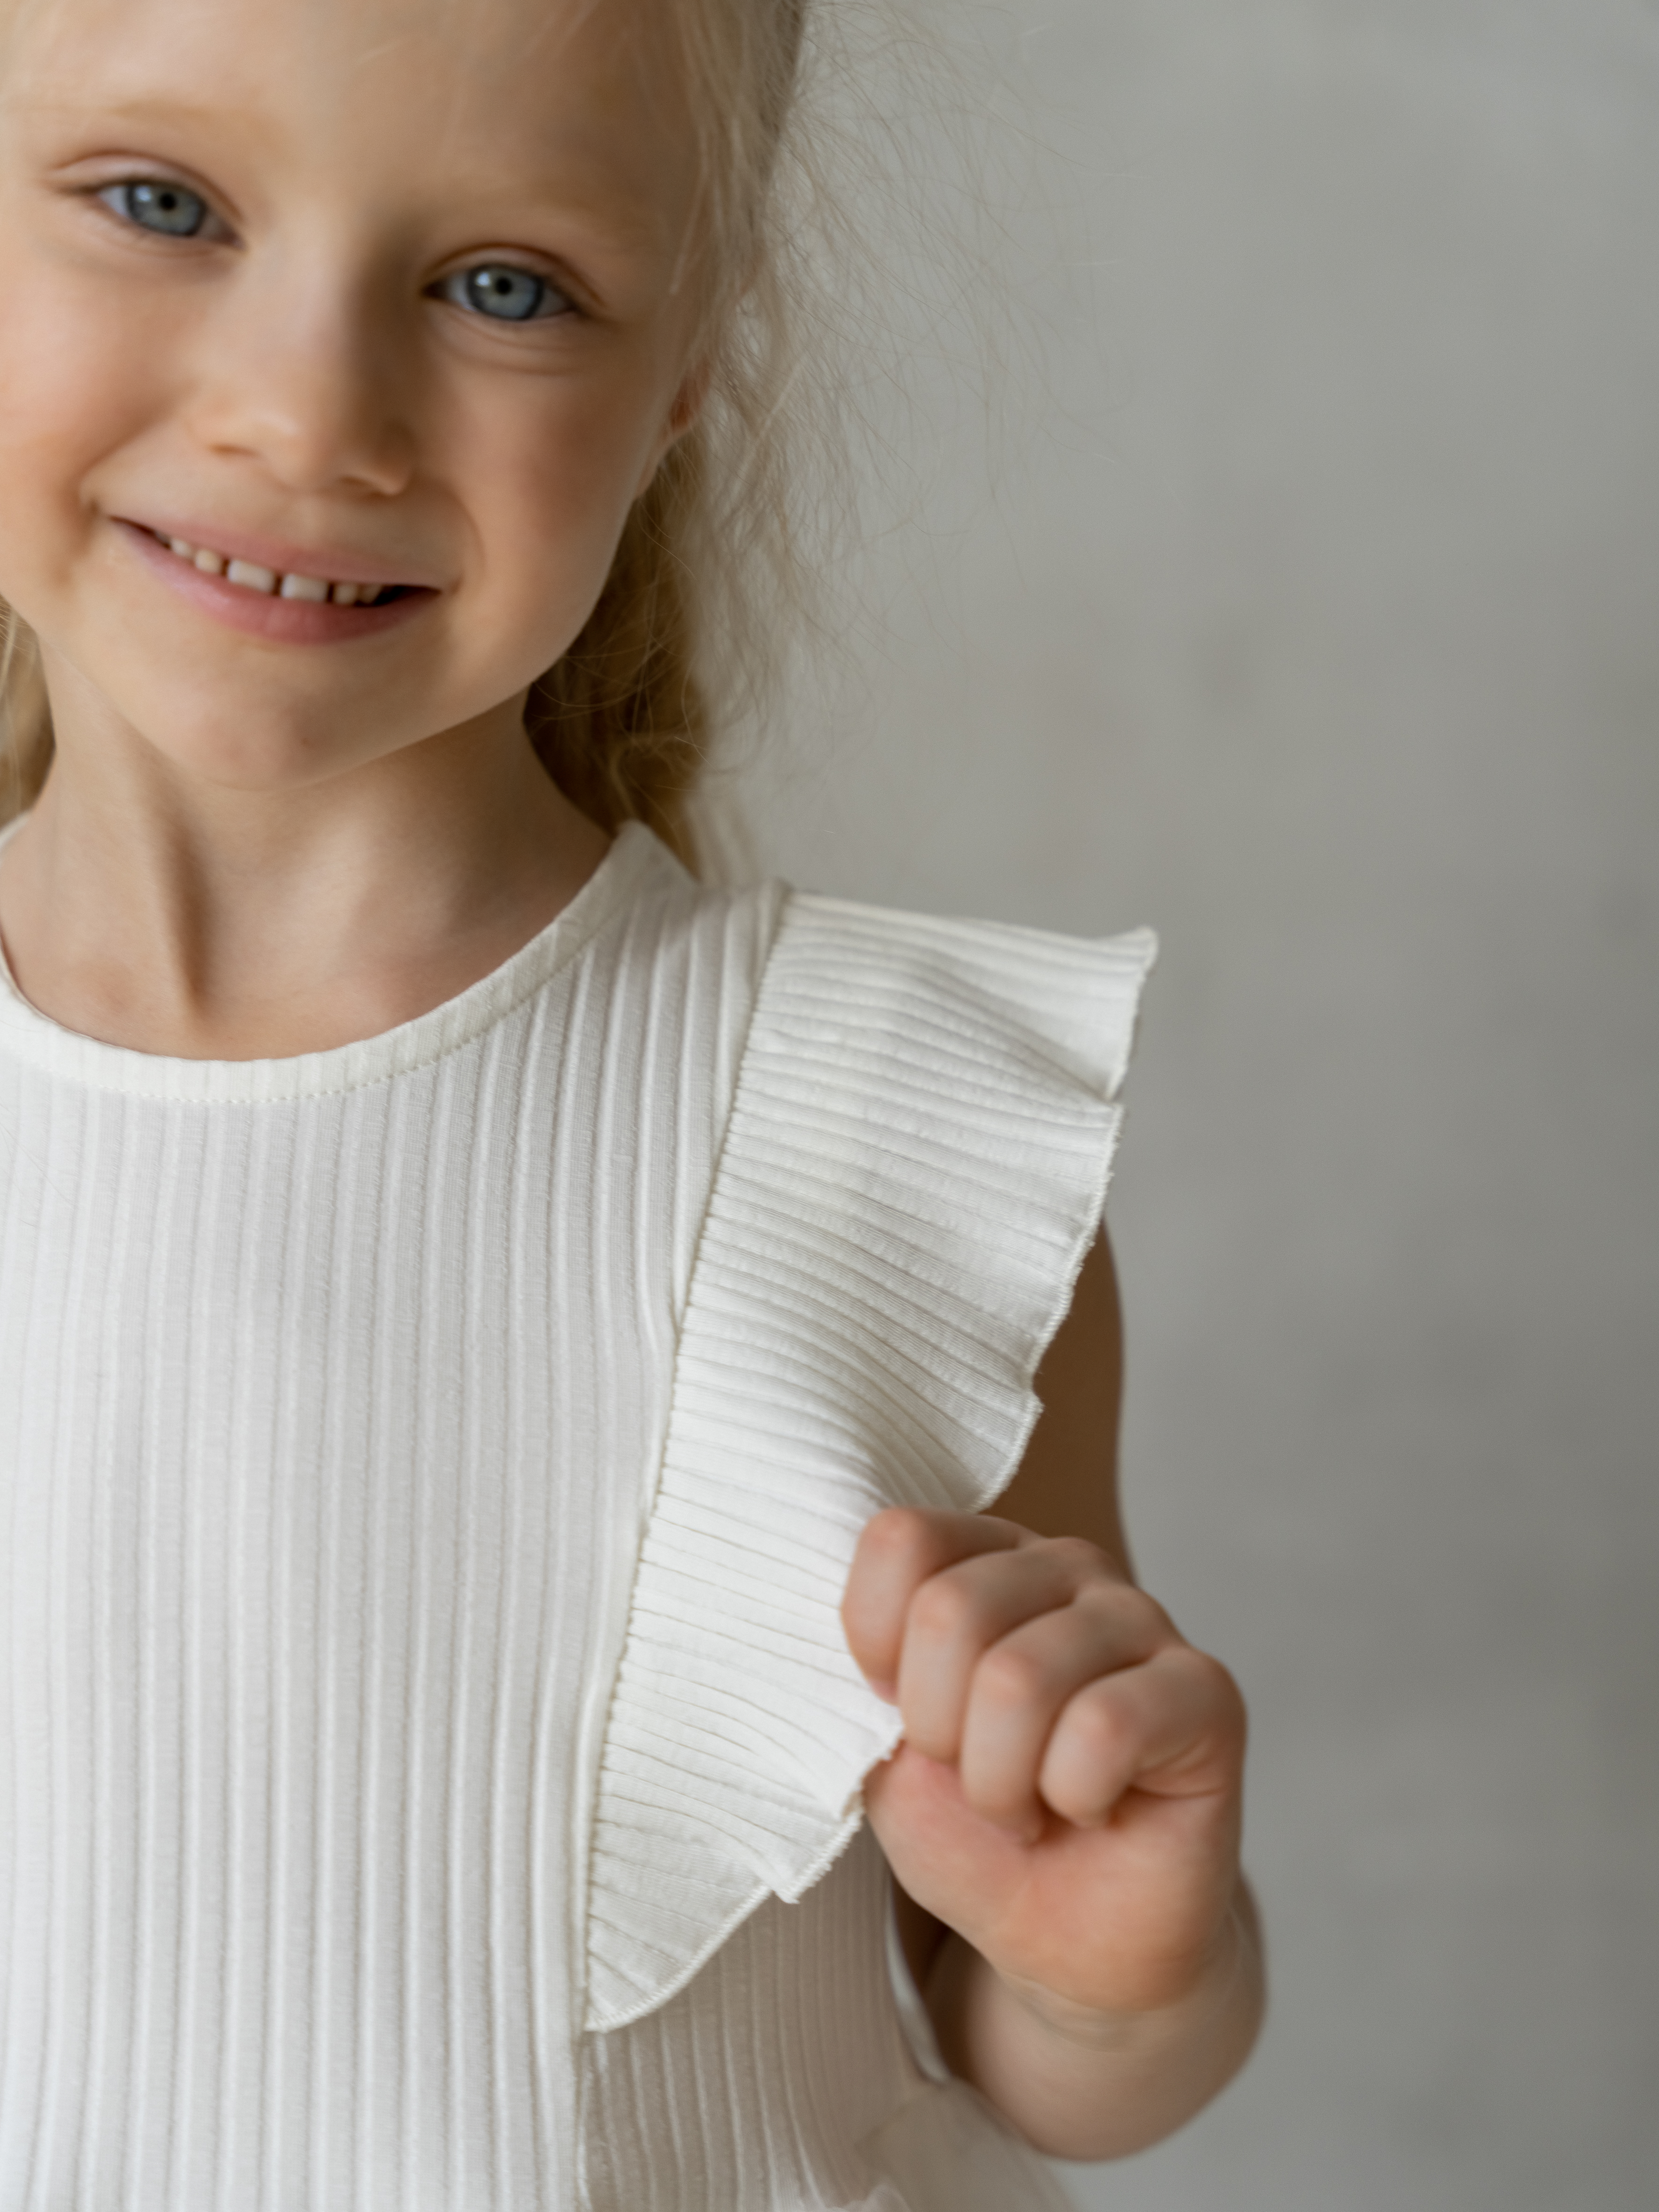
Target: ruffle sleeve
<point x="914" y="1166"/>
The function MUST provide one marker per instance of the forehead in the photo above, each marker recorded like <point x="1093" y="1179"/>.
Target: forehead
<point x="475" y="84"/>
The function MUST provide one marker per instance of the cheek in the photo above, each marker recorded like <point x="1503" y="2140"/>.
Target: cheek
<point x="74" y="386"/>
<point x="562" y="463"/>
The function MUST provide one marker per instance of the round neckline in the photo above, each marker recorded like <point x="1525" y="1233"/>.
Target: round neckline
<point x="31" y="1036"/>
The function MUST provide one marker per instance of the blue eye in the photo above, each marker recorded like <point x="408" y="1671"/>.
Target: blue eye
<point x="174" y="210"/>
<point x="506" y="294"/>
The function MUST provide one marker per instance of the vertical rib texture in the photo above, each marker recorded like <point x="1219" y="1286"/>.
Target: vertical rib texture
<point x="331" y="1392"/>
<point x="752" y="2089"/>
<point x="428" y="1475"/>
<point x="916" y="1163"/>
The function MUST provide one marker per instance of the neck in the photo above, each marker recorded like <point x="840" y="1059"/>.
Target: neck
<point x="154" y="910"/>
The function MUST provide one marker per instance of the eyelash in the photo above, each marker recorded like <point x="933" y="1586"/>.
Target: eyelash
<point x="454" y="286"/>
<point x="118" y="196"/>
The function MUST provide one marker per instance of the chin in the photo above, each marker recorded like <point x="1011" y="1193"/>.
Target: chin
<point x="237" y="751"/>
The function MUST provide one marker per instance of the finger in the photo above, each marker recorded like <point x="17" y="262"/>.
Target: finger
<point x="1173" y="1726"/>
<point x="897" y="1552"/>
<point x="958" y="1614"/>
<point x="1023" y="1684"/>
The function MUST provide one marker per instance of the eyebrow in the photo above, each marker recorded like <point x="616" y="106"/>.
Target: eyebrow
<point x="160" y="109"/>
<point x="140" y="111"/>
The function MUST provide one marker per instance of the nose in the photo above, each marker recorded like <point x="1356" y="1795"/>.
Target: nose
<point x="304" y="376"/>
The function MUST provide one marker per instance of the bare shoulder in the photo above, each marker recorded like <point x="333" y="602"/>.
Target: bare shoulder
<point x="1066" y="1484"/>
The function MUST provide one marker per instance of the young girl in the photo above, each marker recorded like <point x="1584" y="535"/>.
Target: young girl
<point x="504" y="1348"/>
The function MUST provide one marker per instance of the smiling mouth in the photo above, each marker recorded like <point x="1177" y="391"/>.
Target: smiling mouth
<point x="266" y="583"/>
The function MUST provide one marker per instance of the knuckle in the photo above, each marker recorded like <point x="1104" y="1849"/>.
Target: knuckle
<point x="944" y="1607"/>
<point x="1104" y="1730"/>
<point x="1077" y="1556"/>
<point x="897" y="1533"/>
<point x="1010" y="1674"/>
<point x="1133" y="1613"/>
<point x="1215" y="1685"/>
<point x="1147" y="1614"/>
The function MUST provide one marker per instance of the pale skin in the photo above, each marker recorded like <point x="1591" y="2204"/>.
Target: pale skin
<point x="260" y="838"/>
<point x="1063" y="1814"/>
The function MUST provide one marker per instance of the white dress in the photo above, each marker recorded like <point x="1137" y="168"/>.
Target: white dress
<point x="429" y="1760"/>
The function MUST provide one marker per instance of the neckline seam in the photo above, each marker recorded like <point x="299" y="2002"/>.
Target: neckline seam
<point x="34" y="1039"/>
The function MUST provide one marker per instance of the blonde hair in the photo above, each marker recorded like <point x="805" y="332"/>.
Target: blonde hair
<point x="685" y="637"/>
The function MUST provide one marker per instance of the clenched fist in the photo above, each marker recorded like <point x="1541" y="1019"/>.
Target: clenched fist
<point x="1067" y="1799"/>
<point x="1066" y="1796"/>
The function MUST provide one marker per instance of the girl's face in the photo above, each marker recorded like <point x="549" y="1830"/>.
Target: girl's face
<point x="370" y="292"/>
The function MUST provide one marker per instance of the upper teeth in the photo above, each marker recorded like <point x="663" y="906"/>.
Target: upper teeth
<point x="253" y="578"/>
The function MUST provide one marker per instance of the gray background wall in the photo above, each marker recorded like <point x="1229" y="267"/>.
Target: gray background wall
<point x="1319" y="625"/>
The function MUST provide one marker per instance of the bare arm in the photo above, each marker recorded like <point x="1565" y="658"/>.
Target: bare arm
<point x="1063" y="1817"/>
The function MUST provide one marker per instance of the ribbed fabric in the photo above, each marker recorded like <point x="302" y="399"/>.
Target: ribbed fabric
<point x="776" y="2063"/>
<point x="916" y="1163"/>
<point x="336" y="1450"/>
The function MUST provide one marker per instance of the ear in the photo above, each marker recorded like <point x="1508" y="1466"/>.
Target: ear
<point x="687" y="406"/>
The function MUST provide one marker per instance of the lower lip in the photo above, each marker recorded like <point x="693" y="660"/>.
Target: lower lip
<point x="262" y="614"/>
